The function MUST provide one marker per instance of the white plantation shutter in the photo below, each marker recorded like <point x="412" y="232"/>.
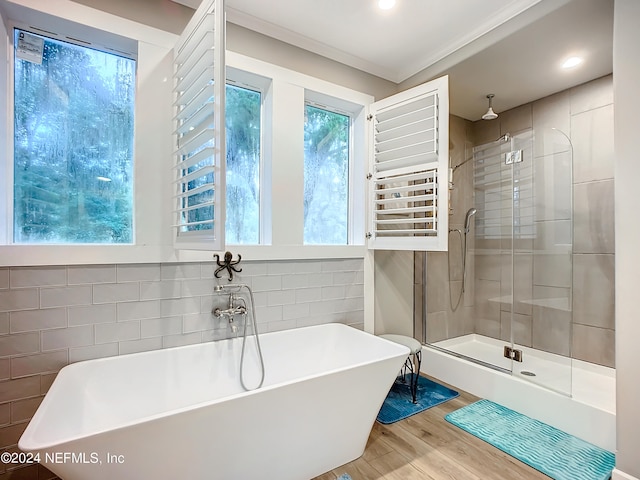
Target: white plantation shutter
<point x="199" y="82"/>
<point x="409" y="168"/>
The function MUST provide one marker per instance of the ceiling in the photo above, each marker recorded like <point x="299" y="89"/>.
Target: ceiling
<point x="511" y="48"/>
<point x="526" y="65"/>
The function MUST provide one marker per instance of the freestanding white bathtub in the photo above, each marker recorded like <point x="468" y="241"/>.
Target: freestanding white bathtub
<point x="182" y="413"/>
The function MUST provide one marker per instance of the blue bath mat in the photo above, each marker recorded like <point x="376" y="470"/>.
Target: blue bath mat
<point x="344" y="476"/>
<point x="543" y="447"/>
<point x="398" y="404"/>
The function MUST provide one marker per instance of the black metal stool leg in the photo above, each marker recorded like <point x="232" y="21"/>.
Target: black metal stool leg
<point x="417" y="360"/>
<point x="406" y="368"/>
<point x="412" y="367"/>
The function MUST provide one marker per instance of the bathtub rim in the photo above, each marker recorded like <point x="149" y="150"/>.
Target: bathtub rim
<point x="28" y="443"/>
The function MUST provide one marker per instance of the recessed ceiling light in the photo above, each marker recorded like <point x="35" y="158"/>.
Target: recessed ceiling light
<point x="386" y="4"/>
<point x="572" y="62"/>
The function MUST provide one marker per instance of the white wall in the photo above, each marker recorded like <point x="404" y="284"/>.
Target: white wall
<point x="163" y="14"/>
<point x="393" y="296"/>
<point x="626" y="75"/>
<point x="256" y="45"/>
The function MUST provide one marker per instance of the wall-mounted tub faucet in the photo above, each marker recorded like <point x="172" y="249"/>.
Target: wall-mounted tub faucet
<point x="241" y="309"/>
<point x="231" y="310"/>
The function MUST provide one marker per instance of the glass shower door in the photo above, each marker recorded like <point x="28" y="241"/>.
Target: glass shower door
<point x="523" y="254"/>
<point x="519" y="160"/>
<point x="516" y="310"/>
<point x="543" y="258"/>
<point x="469" y="315"/>
<point x="493" y="257"/>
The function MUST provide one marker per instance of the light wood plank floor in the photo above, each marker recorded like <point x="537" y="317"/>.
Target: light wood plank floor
<point x="426" y="446"/>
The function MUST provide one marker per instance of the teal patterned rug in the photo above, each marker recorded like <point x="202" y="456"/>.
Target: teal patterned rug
<point x="543" y="447"/>
<point x="398" y="404"/>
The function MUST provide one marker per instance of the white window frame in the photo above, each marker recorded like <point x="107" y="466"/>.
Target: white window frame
<point x="283" y="160"/>
<point x="282" y="238"/>
<point x="357" y="161"/>
<point x="260" y="84"/>
<point x="152" y="136"/>
<point x="100" y="41"/>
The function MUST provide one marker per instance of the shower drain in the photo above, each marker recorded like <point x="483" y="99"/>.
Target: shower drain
<point x="527" y="373"/>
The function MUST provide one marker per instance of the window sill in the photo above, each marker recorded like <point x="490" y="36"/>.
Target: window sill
<point x="279" y="252"/>
<point x="38" y="255"/>
<point x="51" y="255"/>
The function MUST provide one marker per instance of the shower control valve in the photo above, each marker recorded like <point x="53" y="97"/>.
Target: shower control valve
<point x="229" y="312"/>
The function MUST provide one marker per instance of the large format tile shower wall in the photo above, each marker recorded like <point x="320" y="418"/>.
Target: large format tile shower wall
<point x="52" y="316"/>
<point x="587" y="330"/>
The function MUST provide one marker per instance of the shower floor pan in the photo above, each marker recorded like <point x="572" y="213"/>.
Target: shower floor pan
<point x="575" y="396"/>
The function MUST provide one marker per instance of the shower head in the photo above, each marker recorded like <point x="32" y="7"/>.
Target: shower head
<point x="467" y="220"/>
<point x="490" y="115"/>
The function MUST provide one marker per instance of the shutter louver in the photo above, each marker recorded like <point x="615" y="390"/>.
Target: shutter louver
<point x="406" y="204"/>
<point x="199" y="81"/>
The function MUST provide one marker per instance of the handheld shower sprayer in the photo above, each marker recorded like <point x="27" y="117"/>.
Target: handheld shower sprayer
<point x="463" y="246"/>
<point x="467" y="220"/>
<point x="238" y="306"/>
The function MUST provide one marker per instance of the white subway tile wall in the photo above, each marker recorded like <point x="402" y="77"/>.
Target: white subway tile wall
<point x="53" y="316"/>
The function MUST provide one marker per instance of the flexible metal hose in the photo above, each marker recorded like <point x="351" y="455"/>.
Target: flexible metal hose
<point x="244" y="342"/>
<point x="463" y="248"/>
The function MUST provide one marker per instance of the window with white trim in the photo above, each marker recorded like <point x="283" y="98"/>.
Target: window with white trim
<point x="263" y="155"/>
<point x="327" y="155"/>
<point x="246" y="197"/>
<point x="281" y="185"/>
<point x="73" y="128"/>
<point x="335" y="151"/>
<point x="242" y="119"/>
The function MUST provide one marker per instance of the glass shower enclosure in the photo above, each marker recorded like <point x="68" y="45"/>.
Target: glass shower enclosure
<point x="519" y="263"/>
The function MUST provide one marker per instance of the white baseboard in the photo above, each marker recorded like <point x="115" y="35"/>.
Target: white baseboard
<point x="618" y="475"/>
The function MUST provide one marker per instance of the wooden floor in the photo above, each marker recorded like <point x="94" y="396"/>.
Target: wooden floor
<point x="426" y="446"/>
